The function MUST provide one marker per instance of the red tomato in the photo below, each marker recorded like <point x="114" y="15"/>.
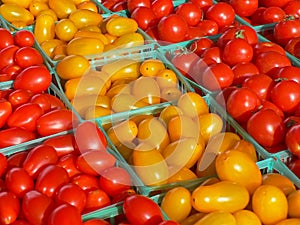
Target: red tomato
<point x="203" y="4"/>
<point x="208" y="27"/>
<point x="18" y="181"/>
<point x="217" y="76"/>
<point x="24" y="38"/>
<point x="56" y="121"/>
<point x="72" y="194"/>
<point x="7" y="38"/>
<point x="294" y="166"/>
<point x="5" y="111"/>
<point x="123" y="195"/>
<point x="198" y="46"/>
<point x="261" y="84"/>
<point x="133" y="4"/>
<point x="68" y="163"/>
<point x="293" y="47"/>
<point x="19" y="97"/>
<point x="285" y="30"/>
<point x="290" y="121"/>
<point x="7" y="55"/>
<point x="16" y="159"/>
<point x="144" y="16"/>
<point x="267" y="46"/>
<point x="96" y="199"/>
<point x="266" y="127"/>
<point x="222" y="13"/>
<point x="3" y="164"/>
<point x="242" y="71"/>
<point x="191" y="13"/>
<point x="28" y="56"/>
<point x="289" y="73"/>
<point x="172" y="28"/>
<point x="63" y="144"/>
<point x="55" y="102"/>
<point x="9" y="207"/>
<point x="20" y="222"/>
<point x="96" y="222"/>
<point x="244" y="7"/>
<point x="86" y="182"/>
<point x="119" y="6"/>
<point x="269" y="3"/>
<point x="213" y="53"/>
<point x="25" y="116"/>
<point x="115" y="180"/>
<point x="50" y="178"/>
<point x="185" y="63"/>
<point x="11" y="71"/>
<point x="38" y="158"/>
<point x="292" y="140"/>
<point x="42" y="100"/>
<point x="286" y="95"/>
<point x="256" y="17"/>
<point x="35" y="78"/>
<point x="15" y="135"/>
<point x="222" y="97"/>
<point x="273" y="14"/>
<point x="292" y="8"/>
<point x="65" y="214"/>
<point x="95" y="162"/>
<point x="195" y="32"/>
<point x="162" y="8"/>
<point x="149" y="214"/>
<point x="242" y="103"/>
<point x="270" y="105"/>
<point x="88" y="136"/>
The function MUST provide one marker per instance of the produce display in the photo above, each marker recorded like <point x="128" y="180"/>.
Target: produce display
<point x="149" y="112"/>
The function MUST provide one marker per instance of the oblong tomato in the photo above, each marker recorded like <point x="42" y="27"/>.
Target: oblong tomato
<point x="63" y="144"/>
<point x="5" y="111"/>
<point x="28" y="56"/>
<point x="9" y="207"/>
<point x="15" y="135"/>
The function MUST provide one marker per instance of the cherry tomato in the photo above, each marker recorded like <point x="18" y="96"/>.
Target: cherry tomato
<point x="68" y="163"/>
<point x="292" y="8"/>
<point x="285" y="30"/>
<point x="96" y="199"/>
<point x="7" y="56"/>
<point x="290" y="121"/>
<point x="3" y="164"/>
<point x="168" y="222"/>
<point x="9" y="207"/>
<point x="288" y="72"/>
<point x="294" y="166"/>
<point x="222" y="13"/>
<point x="198" y="46"/>
<point x="270" y="105"/>
<point x="42" y="100"/>
<point x="203" y="4"/>
<point x="58" y="215"/>
<point x="162" y="8"/>
<point x="208" y="27"/>
<point x="273" y="14"/>
<point x="292" y="46"/>
<point x="267" y="46"/>
<point x="292" y="140"/>
<point x="11" y="71"/>
<point x="28" y="56"/>
<point x="243" y="71"/>
<point x="15" y="135"/>
<point x="19" y="97"/>
<point x="133" y="4"/>
<point x="16" y="159"/>
<point x="86" y="182"/>
<point x="191" y="13"/>
<point x="244" y="7"/>
<point x="63" y="144"/>
<point x="96" y="222"/>
<point x="269" y="3"/>
<point x="55" y="102"/>
<point x="213" y="53"/>
<point x="144" y="16"/>
<point x="24" y="38"/>
<point x="7" y="38"/>
<point x="20" y="222"/>
<point x="5" y="111"/>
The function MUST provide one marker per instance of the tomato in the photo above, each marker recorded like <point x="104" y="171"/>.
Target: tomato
<point x="25" y="116"/>
<point x="63" y="144"/>
<point x="288" y="72"/>
<point x="19" y="97"/>
<point x="5" y="111"/>
<point x="35" y="78"/>
<point x="270" y="105"/>
<point x="18" y="181"/>
<point x="292" y="139"/>
<point x="20" y="222"/>
<point x="273" y="14"/>
<point x="168" y="222"/>
<point x="269" y="3"/>
<point x="58" y="215"/>
<point x="94" y="162"/>
<point x="208" y="27"/>
<point x="55" y="102"/>
<point x="68" y="163"/>
<point x="222" y="13"/>
<point x="9" y="207"/>
<point x="213" y="53"/>
<point x="172" y="28"/>
<point x="133" y="4"/>
<point x="267" y="46"/>
<point x="292" y="8"/>
<point x="11" y="71"/>
<point x="42" y="100"/>
<point x="292" y="46"/>
<point x="217" y="76"/>
<point x="243" y="71"/>
<point x="7" y="55"/>
<point x="96" y="199"/>
<point x="150" y="213"/>
<point x="28" y="56"/>
<point x="281" y="181"/>
<point x="50" y="178"/>
<point x="270" y="126"/>
<point x="144" y="16"/>
<point x="86" y="182"/>
<point x="162" y="8"/>
<point x="198" y="46"/>
<point x="224" y="94"/>
<point x="191" y="13"/>
<point x="244" y="7"/>
<point x="56" y="121"/>
<point x="285" y="30"/>
<point x="290" y="121"/>
<point x="16" y="159"/>
<point x="24" y="38"/>
<point x="15" y="135"/>
<point x="294" y="166"/>
<point x="7" y="38"/>
<point x="115" y="180"/>
<point x="96" y="222"/>
<point x="242" y="103"/>
<point x="4" y="164"/>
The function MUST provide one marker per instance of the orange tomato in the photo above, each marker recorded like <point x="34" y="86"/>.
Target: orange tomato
<point x="294" y="204"/>
<point x="180" y="174"/>
<point x="290" y="221"/>
<point x="49" y="46"/>
<point x="24" y="3"/>
<point x="14" y="12"/>
<point x="166" y="78"/>
<point x="193" y="218"/>
<point x="151" y="67"/>
<point x="35" y="7"/>
<point x="48" y="12"/>
<point x="123" y="132"/>
<point x="279" y="180"/>
<point x="246" y="146"/>
<point x="93" y="112"/>
<point x="168" y="113"/>
<point x="126" y="102"/>
<point x="88" y="5"/>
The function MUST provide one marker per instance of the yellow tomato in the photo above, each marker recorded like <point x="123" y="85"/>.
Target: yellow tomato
<point x="77" y="2"/>
<point x="85" y="46"/>
<point x="13" y="13"/>
<point x="170" y="94"/>
<point x="62" y="8"/>
<point x="44" y="28"/>
<point x="96" y="111"/>
<point x="36" y="7"/>
<point x="79" y="64"/>
<point x="93" y="28"/>
<point x="84" y="17"/>
<point x="180" y="174"/>
<point x="48" y="12"/>
<point x="193" y="218"/>
<point x="88" y="5"/>
<point x="290" y="221"/>
<point x="279" y="180"/>
<point x="126" y="150"/>
<point x="294" y="204"/>
<point x="192" y="104"/>
<point x="50" y="45"/>
<point x="59" y="52"/>
<point x="177" y="203"/>
<point x="125" y="102"/>
<point x="128" y="41"/>
<point x="169" y="112"/>
<point x="24" y="3"/>
<point x="270" y="204"/>
<point x="65" y="29"/>
<point x="166" y="78"/>
<point x="118" y="89"/>
<point x="150" y="165"/>
<point x="246" y="146"/>
<point x="217" y="218"/>
<point x="123" y="132"/>
<point x="227" y="196"/>
<point x="118" y="26"/>
<point x="91" y="34"/>
<point x="184" y="152"/>
<point x="151" y="67"/>
<point x="245" y="216"/>
<point x="239" y="167"/>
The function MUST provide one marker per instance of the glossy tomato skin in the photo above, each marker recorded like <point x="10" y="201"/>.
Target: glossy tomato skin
<point x="5" y="111"/>
<point x="86" y="182"/>
<point x="7" y="38"/>
<point x="289" y="73"/>
<point x="42" y="100"/>
<point x="292" y="8"/>
<point x="222" y="13"/>
<point x="24" y="38"/>
<point x="191" y="13"/>
<point x="15" y="135"/>
<point x="7" y="55"/>
<point x="19" y="97"/>
<point x="28" y="56"/>
<point x="9" y="207"/>
<point x="63" y="144"/>
<point x="16" y="159"/>
<point x="244" y="7"/>
<point x="133" y="4"/>
<point x="292" y="140"/>
<point x="162" y="8"/>
<point x="286" y="30"/>
<point x="58" y="215"/>
<point x="3" y="163"/>
<point x="11" y="71"/>
<point x="96" y="222"/>
<point x="144" y="16"/>
<point x="243" y="71"/>
<point x="68" y="163"/>
<point x="96" y="199"/>
<point x="198" y="46"/>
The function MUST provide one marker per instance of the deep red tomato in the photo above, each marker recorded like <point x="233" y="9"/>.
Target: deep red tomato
<point x="20" y="222"/>
<point x="86" y="182"/>
<point x="290" y="121"/>
<point x="7" y="38"/>
<point x="55" y="102"/>
<point x="3" y="164"/>
<point x="292" y="140"/>
<point x="286" y="95"/>
<point x="292" y="8"/>
<point x="293" y="47"/>
<point x="198" y="46"/>
<point x="222" y="13"/>
<point x="285" y="30"/>
<point x="222" y="97"/>
<point x="88" y="136"/>
<point x="267" y="46"/>
<point x="217" y="76"/>
<point x="11" y="70"/>
<point x="203" y="4"/>
<point x="123" y="195"/>
<point x="28" y="56"/>
<point x="115" y="180"/>
<point x="195" y="32"/>
<point x="242" y="71"/>
<point x="24" y="38"/>
<point x="71" y="193"/>
<point x="19" y="97"/>
<point x="9" y="207"/>
<point x="96" y="199"/>
<point x="273" y="14"/>
<point x="7" y="55"/>
<point x="242" y="103"/>
<point x="56" y="121"/>
<point x="15" y="135"/>
<point x="190" y="12"/>
<point x="42" y="100"/>
<point x="35" y="78"/>
<point x="213" y="53"/>
<point x="266" y="127"/>
<point x="162" y="8"/>
<point x="133" y="4"/>
<point x="256" y="17"/>
<point x="18" y="181"/>
<point x="208" y="27"/>
<point x="5" y="111"/>
<point x="94" y="162"/>
<point x="289" y="73"/>
<point x="144" y="16"/>
<point x="63" y="144"/>
<point x="261" y="84"/>
<point x="237" y="51"/>
<point x="153" y="33"/>
<point x="172" y="28"/>
<point x="50" y="178"/>
<point x="65" y="214"/>
<point x="244" y="7"/>
<point x="38" y="158"/>
<point x="269" y="3"/>
<point x="119" y="6"/>
<point x="150" y="213"/>
<point x="96" y="222"/>
<point x="16" y="159"/>
<point x="270" y="105"/>
<point x="68" y="163"/>
<point x="25" y="116"/>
